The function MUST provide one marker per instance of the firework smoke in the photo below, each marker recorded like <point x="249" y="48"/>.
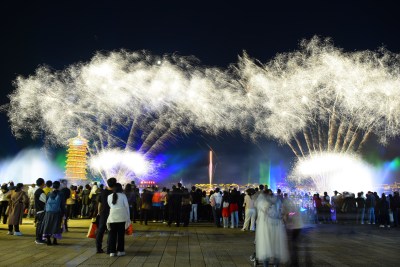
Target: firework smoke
<point x="316" y="99"/>
<point x="323" y="99"/>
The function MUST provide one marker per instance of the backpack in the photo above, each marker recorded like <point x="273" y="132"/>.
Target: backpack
<point x="53" y="204"/>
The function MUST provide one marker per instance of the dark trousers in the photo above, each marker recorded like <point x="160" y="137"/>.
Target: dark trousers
<point x="116" y="237"/>
<point x="39" y="231"/>
<point x="156" y="213"/>
<point x="134" y="213"/>
<point x="217" y="216"/>
<point x="175" y="215"/>
<point x="85" y="210"/>
<point x="186" y="214"/>
<point x="101" y="228"/>
<point x="70" y="211"/>
<point x="3" y="207"/>
<point x="144" y="215"/>
<point x="16" y="227"/>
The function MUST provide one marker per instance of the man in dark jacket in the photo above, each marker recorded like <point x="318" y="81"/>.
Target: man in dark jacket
<point x="40" y="202"/>
<point x="360" y="200"/>
<point x="174" y="204"/>
<point x="196" y="202"/>
<point x="103" y="212"/>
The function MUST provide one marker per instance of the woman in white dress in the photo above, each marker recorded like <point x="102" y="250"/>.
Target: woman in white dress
<point x="271" y="240"/>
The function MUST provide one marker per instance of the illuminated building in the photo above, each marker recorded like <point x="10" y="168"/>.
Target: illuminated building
<point x="75" y="169"/>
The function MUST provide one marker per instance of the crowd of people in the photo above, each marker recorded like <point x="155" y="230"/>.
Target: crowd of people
<point x="271" y="215"/>
<point x="361" y="209"/>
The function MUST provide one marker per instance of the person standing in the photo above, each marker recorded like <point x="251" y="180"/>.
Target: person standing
<point x="163" y="204"/>
<point x="234" y="196"/>
<point x="271" y="238"/>
<point x="117" y="221"/>
<point x="40" y="202"/>
<point x="186" y="206"/>
<point x="225" y="209"/>
<point x="54" y="210"/>
<point x="85" y="201"/>
<point x="196" y="201"/>
<point x="66" y="192"/>
<point x="130" y="195"/>
<point x="335" y="205"/>
<point x="103" y="211"/>
<point x="174" y="205"/>
<point x="145" y="207"/>
<point x="294" y="225"/>
<point x="94" y="196"/>
<point x="370" y="205"/>
<point x="326" y="208"/>
<point x="250" y="213"/>
<point x="360" y="208"/>
<point x="19" y="201"/>
<point x="4" y="202"/>
<point x="216" y="204"/>
<point x="31" y="195"/>
<point x="383" y="208"/>
<point x="136" y="204"/>
<point x="156" y="204"/>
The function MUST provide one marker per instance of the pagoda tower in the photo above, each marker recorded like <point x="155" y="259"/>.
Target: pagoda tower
<point x="76" y="163"/>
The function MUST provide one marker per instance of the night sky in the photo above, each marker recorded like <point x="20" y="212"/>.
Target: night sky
<point x="60" y="33"/>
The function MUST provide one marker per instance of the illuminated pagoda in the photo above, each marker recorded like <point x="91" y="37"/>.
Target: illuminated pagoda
<point x="75" y="168"/>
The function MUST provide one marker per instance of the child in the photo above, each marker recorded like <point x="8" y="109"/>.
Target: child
<point x="225" y="209"/>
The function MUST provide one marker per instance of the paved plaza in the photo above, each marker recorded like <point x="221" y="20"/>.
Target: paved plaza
<point x="201" y="245"/>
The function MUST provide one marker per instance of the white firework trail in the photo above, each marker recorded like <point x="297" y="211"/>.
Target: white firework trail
<point x="123" y="165"/>
<point x="316" y="99"/>
<point x="336" y="171"/>
<point x="121" y="99"/>
<point x="320" y="98"/>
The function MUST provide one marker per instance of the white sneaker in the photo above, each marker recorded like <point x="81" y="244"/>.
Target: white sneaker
<point x="381" y="226"/>
<point x="9" y="233"/>
<point x="120" y="253"/>
<point x="112" y="254"/>
<point x="18" y="233"/>
<point x="242" y="229"/>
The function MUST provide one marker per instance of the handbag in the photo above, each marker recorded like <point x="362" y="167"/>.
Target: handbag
<point x="92" y="230"/>
<point x="129" y="230"/>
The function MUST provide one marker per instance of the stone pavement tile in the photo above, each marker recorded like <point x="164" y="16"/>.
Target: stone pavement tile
<point x="197" y="263"/>
<point x="149" y="264"/>
<point x="196" y="256"/>
<point x="182" y="263"/>
<point x="168" y="262"/>
<point x="200" y="245"/>
<point x="121" y="261"/>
